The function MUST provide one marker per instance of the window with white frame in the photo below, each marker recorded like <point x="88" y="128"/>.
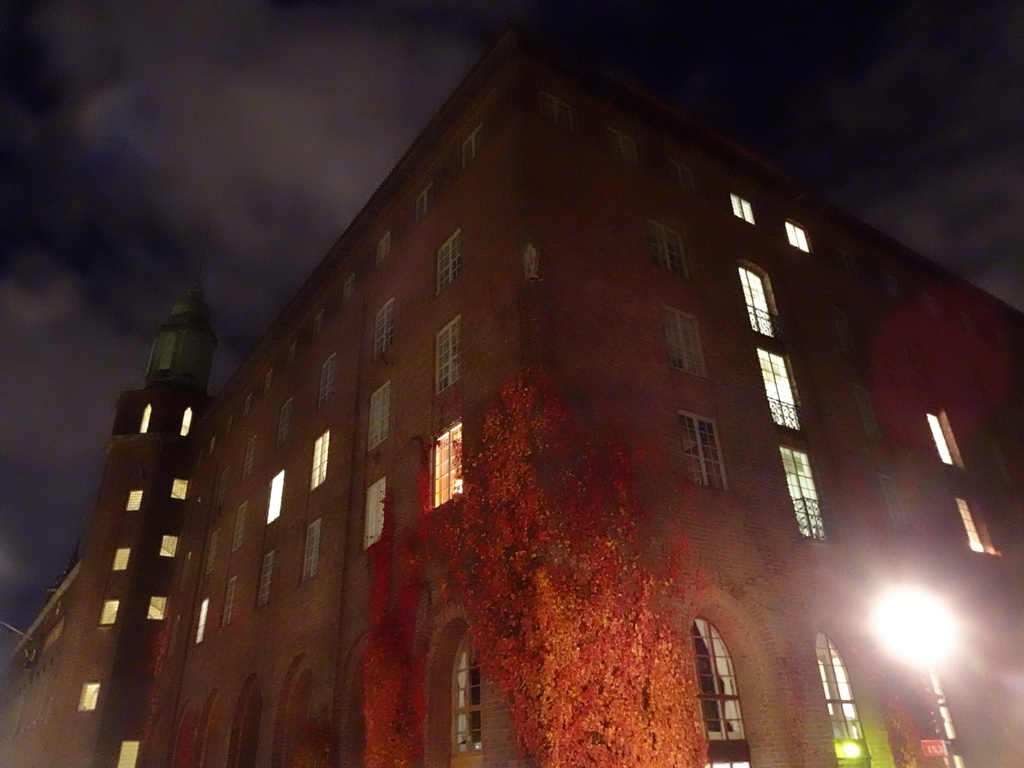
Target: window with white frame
<point x="229" y="601"/>
<point x="179" y="488"/>
<point x="311" y="551"/>
<point x="211" y="552"/>
<point x="134" y="500"/>
<point x="835" y="681"/>
<point x="108" y="613"/>
<point x="682" y="337"/>
<point x="204" y="609"/>
<point x="384" y="328"/>
<point x="449" y="260"/>
<point x="448" y="360"/>
<point x="239" y="532"/>
<point x="467" y="703"/>
<point x="623" y="145"/>
<point x="129" y="754"/>
<point x="667" y="248"/>
<point x="380" y="416"/>
<point x="797" y="236"/>
<point x="760" y="303"/>
<point x="945" y="443"/>
<point x="383" y="247"/>
<point x="556" y="110"/>
<point x="157" y="610"/>
<point x="716" y="682"/>
<point x="321" y="449"/>
<point x="701" y="451"/>
<point x="974" y="537"/>
<point x="741" y="208"/>
<point x="250" y="456"/>
<point x="778" y="387"/>
<point x="374" y="512"/>
<point x="471" y="146"/>
<point x="803" y="492"/>
<point x="327" y="373"/>
<point x="424" y="200"/>
<point x="448" y="464"/>
<point x="186" y="422"/>
<point x="866" y="411"/>
<point x="121" y="557"/>
<point x="284" y="421"/>
<point x="276" y="494"/>
<point x="168" y="546"/>
<point x="88" y="697"/>
<point x="266" y="576"/>
<point x="147" y="414"/>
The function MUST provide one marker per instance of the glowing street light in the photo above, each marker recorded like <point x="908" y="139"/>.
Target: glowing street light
<point x="915" y="626"/>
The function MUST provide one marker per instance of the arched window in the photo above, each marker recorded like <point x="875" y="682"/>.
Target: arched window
<point x="147" y="413"/>
<point x="719" y="698"/>
<point x="467" y="711"/>
<point x="757" y="293"/>
<point x="842" y="709"/>
<point x="186" y="422"/>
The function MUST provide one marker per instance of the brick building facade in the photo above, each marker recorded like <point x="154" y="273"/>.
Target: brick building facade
<point x="822" y="412"/>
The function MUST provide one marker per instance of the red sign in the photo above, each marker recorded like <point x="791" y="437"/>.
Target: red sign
<point x="933" y="748"/>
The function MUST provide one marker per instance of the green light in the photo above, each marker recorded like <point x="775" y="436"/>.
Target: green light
<point x="848" y="749"/>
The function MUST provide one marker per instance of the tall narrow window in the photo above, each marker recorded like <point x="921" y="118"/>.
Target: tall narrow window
<point x="974" y="539"/>
<point x="467" y="705"/>
<point x="134" y="500"/>
<point x="284" y="421"/>
<point x="292" y="349"/>
<point x="471" y="146"/>
<point x="229" y="601"/>
<point x="239" y="532"/>
<point x="250" y="456"/>
<point x="121" y="557"/>
<point x="866" y="410"/>
<point x="380" y="416"/>
<point x="204" y="608"/>
<point x="383" y="247"/>
<point x="147" y="413"/>
<point x="179" y="488"/>
<point x="448" y="361"/>
<point x="321" y="449"/>
<point x="797" y="236"/>
<point x="327" y="374"/>
<point x="318" y="322"/>
<point x="719" y="696"/>
<point x="268" y="380"/>
<point x="108" y="614"/>
<point x="87" y="699"/>
<point x="449" y="260"/>
<point x="893" y="502"/>
<point x="211" y="552"/>
<point x="384" y="328"/>
<point x="222" y="486"/>
<point x="276" y="494"/>
<point x="803" y="492"/>
<point x="682" y="338"/>
<point x="247" y="406"/>
<point x="424" y="200"/>
<point x="311" y="551"/>
<point x="348" y="288"/>
<point x="129" y="754"/>
<point x="374" y="512"/>
<point x="667" y="248"/>
<point x="623" y="145"/>
<point x="448" y="464"/>
<point x="779" y="389"/>
<point x="948" y="730"/>
<point x="266" y="576"/>
<point x="168" y="546"/>
<point x="945" y="443"/>
<point x="835" y="681"/>
<point x="741" y="208"/>
<point x="844" y="333"/>
<point x="556" y="110"/>
<point x="701" y="451"/>
<point x="157" y="610"/>
<point x="760" y="304"/>
<point x="186" y="422"/>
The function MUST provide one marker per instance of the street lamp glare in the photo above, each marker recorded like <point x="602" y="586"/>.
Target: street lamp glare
<point x="915" y="625"/>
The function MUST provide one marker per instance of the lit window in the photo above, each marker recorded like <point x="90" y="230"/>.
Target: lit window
<point x="803" y="493"/>
<point x="276" y="493"/>
<point x="556" y="110"/>
<point x="384" y="328"/>
<point x="866" y="410"/>
<point x="348" y="287"/>
<point x="211" y="553"/>
<point x="741" y="208"/>
<point x="268" y="380"/>
<point x="129" y="754"/>
<point x="779" y="389"/>
<point x="448" y="360"/>
<point x="320" y="450"/>
<point x="467" y="706"/>
<point x="667" y="248"/>
<point x="108" y="615"/>
<point x="940" y="702"/>
<point x="179" y="488"/>
<point x="760" y="306"/>
<point x="121" y="555"/>
<point x="168" y="546"/>
<point x="229" y="601"/>
<point x="250" y="456"/>
<point x="311" y="552"/>
<point x="327" y="374"/>
<point x="147" y="413"/>
<point x="945" y="444"/>
<point x="835" y="680"/>
<point x="318" y="322"/>
<point x="701" y="452"/>
<point x="186" y="422"/>
<point x="204" y="608"/>
<point x="471" y="146"/>
<point x="893" y="502"/>
<point x="284" y="421"/>
<point x="157" y="608"/>
<point x="449" y="260"/>
<point x="423" y="200"/>
<point x="380" y="415"/>
<point x="974" y="538"/>
<point x="448" y="464"/>
<point x="374" y="512"/>
<point x="683" y="340"/>
<point x="87" y="699"/>
<point x="239" y="532"/>
<point x="797" y="236"/>
<point x="681" y="175"/>
<point x="383" y="247"/>
<point x="266" y="575"/>
<point x="623" y="145"/>
<point x="134" y="500"/>
<point x="844" y="334"/>
<point x="717" y="691"/>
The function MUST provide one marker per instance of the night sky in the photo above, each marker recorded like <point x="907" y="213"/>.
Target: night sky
<point x="130" y="129"/>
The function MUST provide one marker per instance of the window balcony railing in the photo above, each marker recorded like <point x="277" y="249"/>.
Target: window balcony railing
<point x="764" y="323"/>
<point x="785" y="414"/>
<point x="809" y="518"/>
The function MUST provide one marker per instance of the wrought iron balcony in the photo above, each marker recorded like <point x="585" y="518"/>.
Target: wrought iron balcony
<point x="785" y="414"/>
<point x="763" y="322"/>
<point x="809" y="518"/>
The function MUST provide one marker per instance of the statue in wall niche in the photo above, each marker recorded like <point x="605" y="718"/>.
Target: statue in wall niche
<point x="531" y="261"/>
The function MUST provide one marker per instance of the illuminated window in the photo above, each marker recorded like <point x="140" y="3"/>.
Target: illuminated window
<point x="717" y="691"/>
<point x="623" y="145"/>
<point x="380" y="416"/>
<point x="157" y="608"/>
<point x="87" y="699"/>
<point x="179" y="488"/>
<point x="448" y="360"/>
<point x="424" y="200"/>
<point x="449" y="260"/>
<point x="682" y="338"/>
<point x="327" y="375"/>
<point x="129" y="754"/>
<point x="760" y="305"/>
<point x="204" y="608"/>
<point x="229" y="601"/>
<point x="121" y="555"/>
<point x="945" y="444"/>
<point x="835" y="681"/>
<point x="667" y="248"/>
<point x="168" y="546"/>
<point x="701" y="452"/>
<point x="211" y="553"/>
<point x="741" y="208"/>
<point x="374" y="512"/>
<point x="866" y="410"/>
<point x="276" y="493"/>
<point x="186" y="422"/>
<point x="108" y="614"/>
<point x="134" y="500"/>
<point x="467" y="708"/>
<point x="239" y="532"/>
<point x="147" y="413"/>
<point x="266" y="575"/>
<point x="384" y="328"/>
<point x="321" y="449"/>
<point x="803" y="493"/>
<point x="948" y="730"/>
<point x="779" y="389"/>
<point x="250" y="456"/>
<point x="448" y="464"/>
<point x="284" y="421"/>
<point x="311" y="551"/>
<point x="383" y="247"/>
<point x="556" y="110"/>
<point x="974" y="538"/>
<point x="471" y="146"/>
<point x="797" y="236"/>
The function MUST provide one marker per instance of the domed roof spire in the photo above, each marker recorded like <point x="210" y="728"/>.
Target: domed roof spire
<point x="183" y="348"/>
